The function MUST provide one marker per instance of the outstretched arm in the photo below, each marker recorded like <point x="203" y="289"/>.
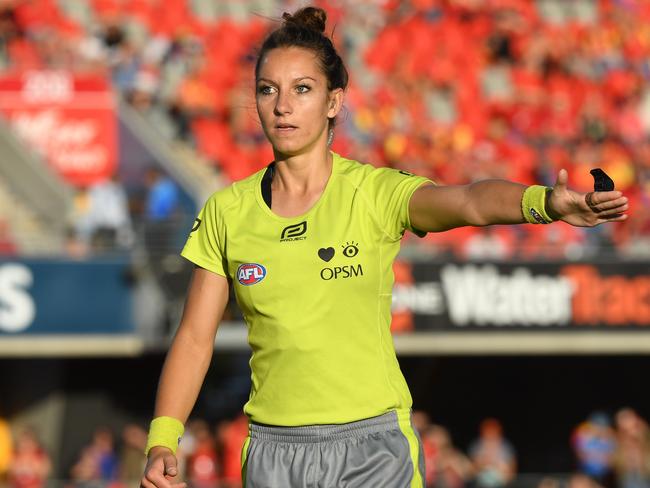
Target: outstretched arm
<point x="438" y="208"/>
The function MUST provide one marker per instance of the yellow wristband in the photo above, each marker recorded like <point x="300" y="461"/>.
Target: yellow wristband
<point x="533" y="205"/>
<point x="165" y="432"/>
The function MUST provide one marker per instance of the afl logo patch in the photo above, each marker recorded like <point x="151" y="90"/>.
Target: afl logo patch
<point x="250" y="273"/>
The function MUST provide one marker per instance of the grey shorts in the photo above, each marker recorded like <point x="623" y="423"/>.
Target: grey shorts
<point x="380" y="452"/>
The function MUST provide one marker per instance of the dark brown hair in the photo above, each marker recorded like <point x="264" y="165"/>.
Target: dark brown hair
<point x="306" y="29"/>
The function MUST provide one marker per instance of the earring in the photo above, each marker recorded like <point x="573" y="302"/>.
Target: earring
<point x="330" y="137"/>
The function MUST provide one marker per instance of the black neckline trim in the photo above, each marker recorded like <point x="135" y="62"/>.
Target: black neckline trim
<point x="266" y="183"/>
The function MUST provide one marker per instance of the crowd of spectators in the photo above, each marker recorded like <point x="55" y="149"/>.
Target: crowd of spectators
<point x="516" y="90"/>
<point x="24" y="462"/>
<point x="608" y="454"/>
<point x="511" y="89"/>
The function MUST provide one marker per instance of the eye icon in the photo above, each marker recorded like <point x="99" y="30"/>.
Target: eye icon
<point x="350" y="249"/>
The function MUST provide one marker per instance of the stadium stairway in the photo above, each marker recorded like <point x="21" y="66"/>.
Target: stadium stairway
<point x="34" y="202"/>
<point x="195" y="175"/>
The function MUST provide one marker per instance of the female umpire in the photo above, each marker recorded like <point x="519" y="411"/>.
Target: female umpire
<point x="308" y="244"/>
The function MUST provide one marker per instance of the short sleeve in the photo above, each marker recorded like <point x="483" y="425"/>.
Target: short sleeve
<point x="391" y="191"/>
<point x="204" y="246"/>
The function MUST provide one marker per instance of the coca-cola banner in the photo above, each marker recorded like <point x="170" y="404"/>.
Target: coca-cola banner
<point x="536" y="296"/>
<point x="68" y="119"/>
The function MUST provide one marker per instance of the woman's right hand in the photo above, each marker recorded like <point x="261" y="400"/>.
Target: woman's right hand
<point x="161" y="470"/>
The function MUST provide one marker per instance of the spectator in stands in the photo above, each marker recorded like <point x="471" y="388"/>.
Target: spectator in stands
<point x="80" y="223"/>
<point x="493" y="456"/>
<point x="493" y="244"/>
<point x="98" y="461"/>
<point x="132" y="458"/>
<point x="633" y="239"/>
<point x="632" y="457"/>
<point x="30" y="466"/>
<point x="233" y="437"/>
<point x="186" y="448"/>
<point x="594" y="443"/>
<point x="100" y="217"/>
<point x="579" y="480"/>
<point x="446" y="466"/>
<point x="6" y="448"/>
<point x="203" y="466"/>
<point x="195" y="99"/>
<point x="549" y="482"/>
<point x="9" y="30"/>
<point x="162" y="197"/>
<point x="110" y="215"/>
<point x="421" y="421"/>
<point x="7" y="246"/>
<point x="143" y="95"/>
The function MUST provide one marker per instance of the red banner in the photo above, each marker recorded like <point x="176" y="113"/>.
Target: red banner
<point x="68" y="119"/>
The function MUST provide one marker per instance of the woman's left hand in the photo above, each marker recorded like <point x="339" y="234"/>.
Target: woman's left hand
<point x="585" y="209"/>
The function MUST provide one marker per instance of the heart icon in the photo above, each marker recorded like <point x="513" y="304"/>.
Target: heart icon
<point x="326" y="253"/>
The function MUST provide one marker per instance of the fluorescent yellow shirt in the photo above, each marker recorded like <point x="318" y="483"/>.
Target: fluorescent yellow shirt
<point x="315" y="291"/>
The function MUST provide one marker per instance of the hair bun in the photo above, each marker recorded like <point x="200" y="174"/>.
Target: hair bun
<point x="309" y="17"/>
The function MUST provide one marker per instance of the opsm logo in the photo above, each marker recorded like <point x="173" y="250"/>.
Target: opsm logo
<point x="350" y="250"/>
<point x="250" y="273"/>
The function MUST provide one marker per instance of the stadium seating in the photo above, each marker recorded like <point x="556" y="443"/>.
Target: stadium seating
<point x="502" y="89"/>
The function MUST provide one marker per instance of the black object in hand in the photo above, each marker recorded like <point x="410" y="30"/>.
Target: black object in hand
<point x="602" y="182"/>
